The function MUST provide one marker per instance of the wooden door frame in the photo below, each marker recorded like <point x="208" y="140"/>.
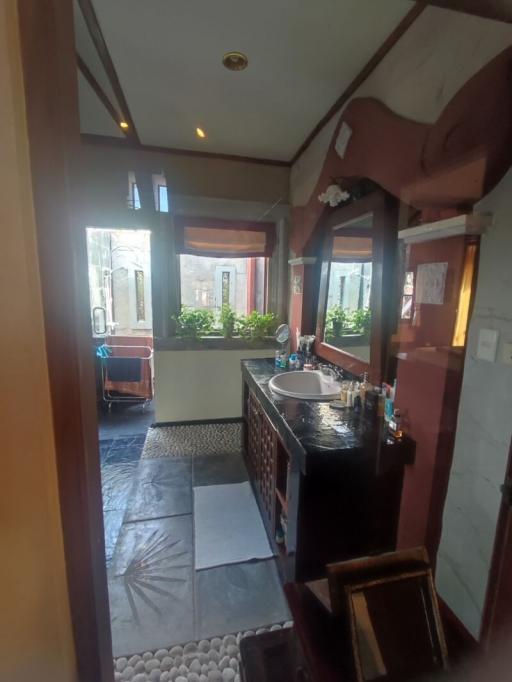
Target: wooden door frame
<point x="51" y="95"/>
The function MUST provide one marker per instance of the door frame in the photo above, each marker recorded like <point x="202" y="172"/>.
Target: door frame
<point x="51" y="97"/>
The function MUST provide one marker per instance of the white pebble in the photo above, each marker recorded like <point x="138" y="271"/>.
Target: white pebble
<point x="195" y="666"/>
<point x="147" y="656"/>
<point x="178" y="660"/>
<point x="222" y="650"/>
<point x="193" y="677"/>
<point x="229" y="639"/>
<point x="203" y="678"/>
<point x="181" y="679"/>
<point x="233" y="663"/>
<point x="203" y="657"/>
<point x="228" y="675"/>
<point x="237" y="678"/>
<point x="216" y="643"/>
<point x="183" y="670"/>
<point x="212" y="665"/>
<point x="140" y="667"/>
<point x="117" y="676"/>
<point x="190" y="648"/>
<point x="173" y="673"/>
<point x="121" y="664"/>
<point x="140" y="677"/>
<point x="204" y="669"/>
<point x="275" y="627"/>
<point x="260" y="631"/>
<point x="155" y="675"/>
<point x="152" y="664"/>
<point x="248" y="633"/>
<point x="213" y="655"/>
<point x="214" y="676"/>
<point x="224" y="662"/>
<point x="134" y="660"/>
<point x="176" y="651"/>
<point x="128" y="673"/>
<point x="166" y="663"/>
<point x="161" y="654"/>
<point x="204" y="645"/>
<point x="165" y="676"/>
<point x="288" y="624"/>
<point x="232" y="650"/>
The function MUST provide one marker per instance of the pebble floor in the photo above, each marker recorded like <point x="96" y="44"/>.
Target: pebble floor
<point x="209" y="660"/>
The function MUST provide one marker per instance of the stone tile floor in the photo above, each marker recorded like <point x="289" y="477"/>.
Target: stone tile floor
<point x="157" y="598"/>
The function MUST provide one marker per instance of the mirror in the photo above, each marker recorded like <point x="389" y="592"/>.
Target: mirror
<point x="282" y="333"/>
<point x="347" y="323"/>
<point x="356" y="291"/>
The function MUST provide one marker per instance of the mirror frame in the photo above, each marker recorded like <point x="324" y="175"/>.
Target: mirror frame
<point x="384" y="211"/>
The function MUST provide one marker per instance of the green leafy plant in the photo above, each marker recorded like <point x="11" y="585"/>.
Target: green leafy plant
<point x="336" y="321"/>
<point x="228" y="321"/>
<point x="256" y="325"/>
<point x="360" y="320"/>
<point x="192" y="323"/>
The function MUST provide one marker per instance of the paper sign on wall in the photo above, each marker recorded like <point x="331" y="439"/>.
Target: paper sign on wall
<point x="430" y="283"/>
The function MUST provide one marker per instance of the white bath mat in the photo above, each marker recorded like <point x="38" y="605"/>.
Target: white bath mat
<point x="228" y="526"/>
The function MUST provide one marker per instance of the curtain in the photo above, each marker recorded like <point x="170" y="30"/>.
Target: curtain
<point x="224" y="238"/>
<point x="351" y="248"/>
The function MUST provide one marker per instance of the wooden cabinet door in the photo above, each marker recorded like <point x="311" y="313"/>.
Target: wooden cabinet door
<point x="266" y="479"/>
<point x="254" y="440"/>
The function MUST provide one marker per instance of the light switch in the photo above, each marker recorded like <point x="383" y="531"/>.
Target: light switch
<point x="487" y="344"/>
<point x="506" y="353"/>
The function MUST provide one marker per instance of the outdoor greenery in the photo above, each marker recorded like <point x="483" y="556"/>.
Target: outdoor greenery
<point x="195" y="323"/>
<point x="228" y="321"/>
<point x="257" y="325"/>
<point x="342" y="322"/>
<point x="192" y="324"/>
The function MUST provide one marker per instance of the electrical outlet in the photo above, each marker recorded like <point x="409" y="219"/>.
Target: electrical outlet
<point x="506" y="353"/>
<point x="487" y="344"/>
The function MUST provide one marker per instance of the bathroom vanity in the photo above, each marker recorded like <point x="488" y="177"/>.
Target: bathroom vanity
<point x="328" y="482"/>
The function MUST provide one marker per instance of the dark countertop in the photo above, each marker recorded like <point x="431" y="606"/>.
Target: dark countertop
<point x="313" y="430"/>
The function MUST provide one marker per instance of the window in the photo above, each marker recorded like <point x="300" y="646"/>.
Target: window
<point x="163" y="203"/>
<point x="209" y="283"/>
<point x="140" y="303"/>
<point x="224" y="262"/>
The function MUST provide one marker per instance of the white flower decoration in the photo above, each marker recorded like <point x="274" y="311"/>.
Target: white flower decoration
<point x="333" y="196"/>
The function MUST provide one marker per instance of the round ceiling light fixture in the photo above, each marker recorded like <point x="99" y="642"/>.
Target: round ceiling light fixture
<point x="235" y="61"/>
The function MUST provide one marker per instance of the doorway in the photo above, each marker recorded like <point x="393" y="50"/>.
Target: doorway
<point x="119" y="272"/>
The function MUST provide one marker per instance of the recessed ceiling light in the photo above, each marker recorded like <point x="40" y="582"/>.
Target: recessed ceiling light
<point x="200" y="132"/>
<point x="235" y="61"/>
<point x="123" y="125"/>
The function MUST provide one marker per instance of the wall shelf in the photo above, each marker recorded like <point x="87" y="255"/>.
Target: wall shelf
<point x="466" y="223"/>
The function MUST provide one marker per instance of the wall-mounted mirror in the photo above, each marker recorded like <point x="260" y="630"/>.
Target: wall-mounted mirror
<point x="347" y="323"/>
<point x="356" y="277"/>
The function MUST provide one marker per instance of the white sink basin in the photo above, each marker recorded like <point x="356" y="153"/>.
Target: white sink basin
<point x="305" y="385"/>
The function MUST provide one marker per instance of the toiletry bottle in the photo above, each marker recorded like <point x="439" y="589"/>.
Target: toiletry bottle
<point x="395" y="425"/>
<point x="343" y="393"/>
<point x="365" y="387"/>
<point x="277" y="361"/>
<point x="350" y="395"/>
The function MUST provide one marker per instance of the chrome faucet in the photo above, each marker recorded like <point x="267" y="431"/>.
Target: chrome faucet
<point x="332" y="371"/>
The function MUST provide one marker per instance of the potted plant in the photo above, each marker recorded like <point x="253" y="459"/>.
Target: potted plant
<point x="257" y="326"/>
<point x="228" y="320"/>
<point x="193" y="324"/>
<point x="336" y="321"/>
<point x="361" y="320"/>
